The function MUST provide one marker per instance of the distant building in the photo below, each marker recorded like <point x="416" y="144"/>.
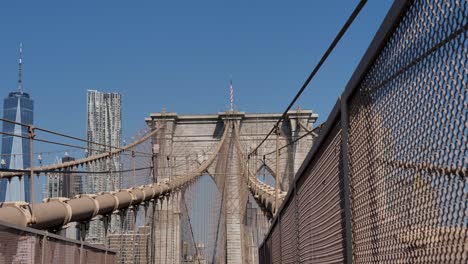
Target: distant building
<point x="129" y="222"/>
<point x="65" y="184"/>
<point x="18" y="107"/>
<point x="54" y="182"/>
<point x="72" y="184"/>
<point x="132" y="247"/>
<point x="196" y="257"/>
<point x="104" y="126"/>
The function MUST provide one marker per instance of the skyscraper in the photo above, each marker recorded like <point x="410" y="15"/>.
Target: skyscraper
<point x="71" y="181"/>
<point x="17" y="106"/>
<point x="104" y="126"/>
<point x="64" y="184"/>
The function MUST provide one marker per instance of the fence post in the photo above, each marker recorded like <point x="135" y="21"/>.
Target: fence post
<point x="346" y="181"/>
<point x="31" y="136"/>
<point x="277" y="172"/>
<point x="84" y="227"/>
<point x="81" y="252"/>
<point x="280" y="240"/>
<point x="44" y="244"/>
<point x="296" y="219"/>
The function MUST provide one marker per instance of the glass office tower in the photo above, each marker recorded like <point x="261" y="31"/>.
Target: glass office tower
<point x="18" y="106"/>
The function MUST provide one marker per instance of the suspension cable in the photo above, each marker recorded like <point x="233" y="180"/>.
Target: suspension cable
<point x="314" y="71"/>
<point x="84" y="160"/>
<point x="191" y="230"/>
<point x="294" y="141"/>
<point x="64" y="135"/>
<point x="63" y="144"/>
<point x="76" y="171"/>
<point x="39" y="152"/>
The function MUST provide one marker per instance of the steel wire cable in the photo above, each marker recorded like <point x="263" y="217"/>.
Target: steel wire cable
<point x="191" y="230"/>
<point x="51" y="142"/>
<point x="310" y="132"/>
<point x="84" y="160"/>
<point x="63" y="135"/>
<point x="76" y="171"/>
<point x="314" y="71"/>
<point x="62" y="144"/>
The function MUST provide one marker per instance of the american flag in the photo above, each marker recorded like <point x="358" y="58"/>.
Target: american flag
<point x="231" y="93"/>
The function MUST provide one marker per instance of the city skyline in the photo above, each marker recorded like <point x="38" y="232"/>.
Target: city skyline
<point x="18" y="106"/>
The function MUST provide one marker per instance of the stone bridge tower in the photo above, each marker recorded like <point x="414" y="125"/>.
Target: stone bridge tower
<point x="196" y="137"/>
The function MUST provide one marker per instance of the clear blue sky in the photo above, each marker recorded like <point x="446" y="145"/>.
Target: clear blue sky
<point x="178" y="54"/>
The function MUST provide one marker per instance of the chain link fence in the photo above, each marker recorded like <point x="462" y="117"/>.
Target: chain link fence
<point x="28" y="246"/>
<point x="387" y="180"/>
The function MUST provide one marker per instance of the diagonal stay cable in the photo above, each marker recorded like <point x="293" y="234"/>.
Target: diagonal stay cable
<point x="191" y="230"/>
<point x="292" y="142"/>
<point x="314" y="71"/>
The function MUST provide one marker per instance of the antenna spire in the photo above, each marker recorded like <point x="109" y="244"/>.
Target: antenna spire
<point x="231" y="94"/>
<point x="20" y="64"/>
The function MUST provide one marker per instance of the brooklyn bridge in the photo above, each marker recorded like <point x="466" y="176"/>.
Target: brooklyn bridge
<point x="382" y="180"/>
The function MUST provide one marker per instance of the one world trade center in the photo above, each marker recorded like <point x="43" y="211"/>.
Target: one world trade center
<point x="18" y="107"/>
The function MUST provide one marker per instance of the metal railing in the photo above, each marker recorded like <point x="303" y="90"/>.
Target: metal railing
<point x="386" y="182"/>
<point x="28" y="245"/>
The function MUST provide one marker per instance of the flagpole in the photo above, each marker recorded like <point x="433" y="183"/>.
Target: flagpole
<point x="231" y="94"/>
